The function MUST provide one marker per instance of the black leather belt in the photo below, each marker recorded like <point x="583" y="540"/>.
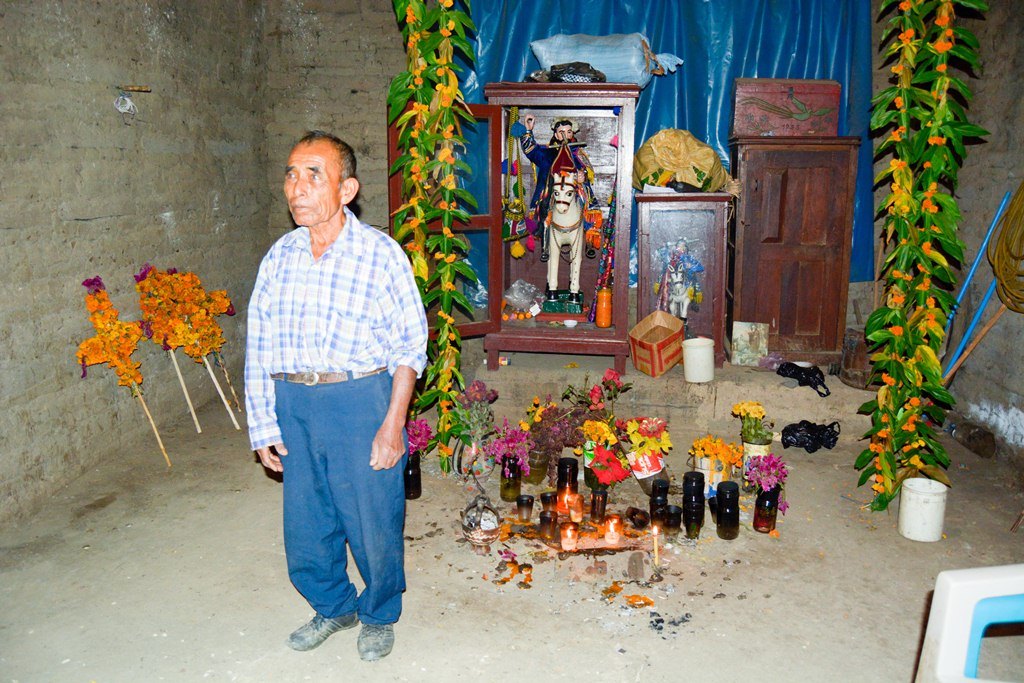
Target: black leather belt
<point x="311" y="379"/>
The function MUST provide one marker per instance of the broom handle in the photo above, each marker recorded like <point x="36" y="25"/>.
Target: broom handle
<point x="977" y="340"/>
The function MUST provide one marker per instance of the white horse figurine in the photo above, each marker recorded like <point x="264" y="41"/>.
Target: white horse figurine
<point x="565" y="231"/>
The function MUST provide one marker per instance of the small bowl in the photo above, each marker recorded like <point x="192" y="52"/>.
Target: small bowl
<point x="569" y="323"/>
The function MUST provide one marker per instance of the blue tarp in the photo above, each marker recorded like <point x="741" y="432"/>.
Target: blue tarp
<point x="719" y="41"/>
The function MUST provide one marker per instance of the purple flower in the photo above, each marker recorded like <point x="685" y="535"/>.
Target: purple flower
<point x="143" y="273"/>
<point x="420" y="435"/>
<point x="172" y="271"/>
<point x="477" y="392"/>
<point x="511" y="446"/>
<point x="768" y="472"/>
<point x="147" y="328"/>
<point x="231" y="309"/>
<point x="83" y="368"/>
<point x="94" y="284"/>
<point x="507" y="555"/>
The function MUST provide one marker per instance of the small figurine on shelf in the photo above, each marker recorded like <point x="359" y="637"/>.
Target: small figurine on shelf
<point x="679" y="285"/>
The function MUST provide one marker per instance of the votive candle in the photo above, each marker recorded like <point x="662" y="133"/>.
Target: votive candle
<point x="574" y="502"/>
<point x="570" y="536"/>
<point x="611" y="534"/>
<point x="524" y="507"/>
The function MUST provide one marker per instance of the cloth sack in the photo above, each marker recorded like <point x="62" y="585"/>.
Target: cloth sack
<point x="676" y="155"/>
<point x="622" y="57"/>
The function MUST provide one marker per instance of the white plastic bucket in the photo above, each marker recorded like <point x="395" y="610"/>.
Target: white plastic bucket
<point x="699" y="359"/>
<point x="922" y="509"/>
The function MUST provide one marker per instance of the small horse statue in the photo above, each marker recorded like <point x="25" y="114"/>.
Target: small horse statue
<point x="564" y="227"/>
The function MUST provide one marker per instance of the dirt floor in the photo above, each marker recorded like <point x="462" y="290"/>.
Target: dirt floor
<point x="136" y="573"/>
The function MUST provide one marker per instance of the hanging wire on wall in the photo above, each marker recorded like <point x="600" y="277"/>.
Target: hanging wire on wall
<point x="124" y="105"/>
<point x="1007" y="253"/>
<point x="123" y="102"/>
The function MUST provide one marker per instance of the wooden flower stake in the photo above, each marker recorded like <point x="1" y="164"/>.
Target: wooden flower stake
<point x="184" y="390"/>
<point x="220" y="392"/>
<point x="138" y="394"/>
<point x="227" y="378"/>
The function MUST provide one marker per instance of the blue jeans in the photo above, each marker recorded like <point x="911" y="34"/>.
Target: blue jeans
<point x="332" y="497"/>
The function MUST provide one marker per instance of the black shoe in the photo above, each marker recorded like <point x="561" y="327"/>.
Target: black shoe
<point x="550" y="295"/>
<point x="576" y="297"/>
<point x="318" y="630"/>
<point x="375" y="641"/>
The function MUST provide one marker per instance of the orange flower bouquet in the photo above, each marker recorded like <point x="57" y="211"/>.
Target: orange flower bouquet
<point x="179" y="313"/>
<point x="114" y="343"/>
<point x="716" y="459"/>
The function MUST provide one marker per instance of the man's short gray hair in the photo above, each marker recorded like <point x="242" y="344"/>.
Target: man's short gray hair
<point x="346" y="156"/>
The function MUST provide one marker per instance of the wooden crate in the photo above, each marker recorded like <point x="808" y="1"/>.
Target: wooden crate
<point x="785" y="107"/>
<point x="656" y="343"/>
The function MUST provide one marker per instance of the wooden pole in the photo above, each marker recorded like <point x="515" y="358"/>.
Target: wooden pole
<point x="152" y="424"/>
<point x="879" y="257"/>
<point x="188" y="399"/>
<point x="220" y="392"/>
<point x="977" y="340"/>
<point x="227" y="378"/>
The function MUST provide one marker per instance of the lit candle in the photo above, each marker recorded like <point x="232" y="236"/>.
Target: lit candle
<point x="654" y="532"/>
<point x="562" y="505"/>
<point x="569" y="536"/>
<point x="611" y="535"/>
<point x="574" y="502"/>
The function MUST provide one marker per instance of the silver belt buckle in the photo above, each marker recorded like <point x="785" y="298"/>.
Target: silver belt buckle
<point x="314" y="381"/>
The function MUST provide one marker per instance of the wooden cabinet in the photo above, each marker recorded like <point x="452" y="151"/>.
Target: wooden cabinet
<point x="681" y="249"/>
<point x="604" y="114"/>
<point x="790" y="242"/>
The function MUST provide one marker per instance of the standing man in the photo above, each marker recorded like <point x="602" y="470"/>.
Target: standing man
<point x="337" y="336"/>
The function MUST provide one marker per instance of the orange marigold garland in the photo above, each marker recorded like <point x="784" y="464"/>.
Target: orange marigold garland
<point x="114" y="343"/>
<point x="923" y="123"/>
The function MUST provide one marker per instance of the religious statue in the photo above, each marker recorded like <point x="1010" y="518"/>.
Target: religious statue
<point x="679" y="285"/>
<point x="564" y="177"/>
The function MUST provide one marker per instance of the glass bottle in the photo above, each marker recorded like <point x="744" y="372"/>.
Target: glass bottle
<point x="413" y="482"/>
<point x="766" y="510"/>
<point x="673" y="520"/>
<point x="693" y="515"/>
<point x="657" y="505"/>
<point x="511" y="481"/>
<point x="728" y="524"/>
<point x="598" y="505"/>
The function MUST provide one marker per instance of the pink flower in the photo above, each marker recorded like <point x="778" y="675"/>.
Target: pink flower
<point x="652" y="426"/>
<point x="596" y="394"/>
<point x="611" y="376"/>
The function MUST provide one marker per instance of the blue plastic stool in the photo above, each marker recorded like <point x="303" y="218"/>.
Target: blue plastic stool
<point x="1005" y="609"/>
